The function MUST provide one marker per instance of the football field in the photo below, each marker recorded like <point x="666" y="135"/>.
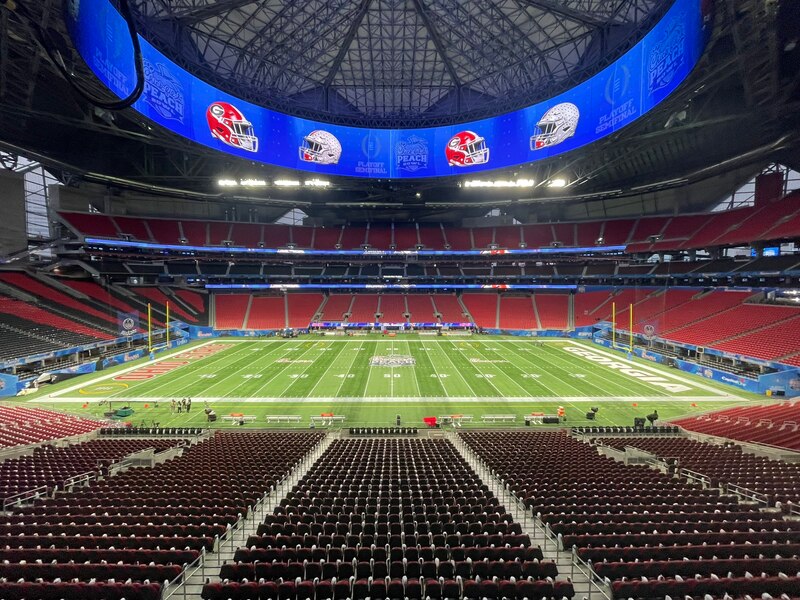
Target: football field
<point x="369" y="380"/>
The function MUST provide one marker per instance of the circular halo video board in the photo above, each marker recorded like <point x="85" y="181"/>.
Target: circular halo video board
<point x="178" y="101"/>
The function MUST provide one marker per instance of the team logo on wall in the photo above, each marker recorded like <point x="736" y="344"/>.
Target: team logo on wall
<point x="229" y="126"/>
<point x="163" y="91"/>
<point x="465" y="149"/>
<point x="412" y="154"/>
<point x="320" y="147"/>
<point x="128" y="323"/>
<point x="666" y="57"/>
<point x="557" y="125"/>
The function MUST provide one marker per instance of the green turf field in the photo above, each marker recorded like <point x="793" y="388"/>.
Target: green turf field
<point x="369" y="380"/>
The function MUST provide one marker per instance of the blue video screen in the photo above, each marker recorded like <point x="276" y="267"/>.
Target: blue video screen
<point x="177" y="100"/>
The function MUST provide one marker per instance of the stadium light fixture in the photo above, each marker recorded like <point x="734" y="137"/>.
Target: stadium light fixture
<point x="500" y="183"/>
<point x="287" y="183"/>
<point x="557" y="183"/>
<point x="253" y="183"/>
<point x="227" y="183"/>
<point x="318" y="183"/>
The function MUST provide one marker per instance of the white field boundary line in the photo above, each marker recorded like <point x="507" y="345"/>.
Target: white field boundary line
<point x="83" y="384"/>
<point x="417" y="400"/>
<point x="659" y="372"/>
<point x="357" y="339"/>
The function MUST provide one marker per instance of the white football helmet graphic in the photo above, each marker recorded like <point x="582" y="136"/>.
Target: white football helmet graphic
<point x="556" y="125"/>
<point x="320" y="147"/>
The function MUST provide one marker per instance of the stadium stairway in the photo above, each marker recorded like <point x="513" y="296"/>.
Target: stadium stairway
<point x="531" y="525"/>
<point x="192" y="586"/>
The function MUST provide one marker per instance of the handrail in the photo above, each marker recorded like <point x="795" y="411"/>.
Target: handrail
<point x="26" y="495"/>
<point x="689" y="474"/>
<point x="196" y="564"/>
<point x="78" y="479"/>
<point x="587" y="571"/>
<point x="748" y="493"/>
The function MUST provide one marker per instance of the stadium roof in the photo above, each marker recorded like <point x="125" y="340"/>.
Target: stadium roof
<point x="737" y="112"/>
<point x="395" y="62"/>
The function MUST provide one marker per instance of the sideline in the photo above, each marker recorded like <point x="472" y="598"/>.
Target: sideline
<point x="418" y="399"/>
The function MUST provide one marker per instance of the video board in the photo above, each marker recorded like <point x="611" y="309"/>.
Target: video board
<point x="177" y="100"/>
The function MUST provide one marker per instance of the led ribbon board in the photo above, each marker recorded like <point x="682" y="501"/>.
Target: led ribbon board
<point x="194" y="109"/>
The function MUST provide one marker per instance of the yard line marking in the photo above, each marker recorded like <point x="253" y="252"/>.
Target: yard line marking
<point x="349" y="368"/>
<point x="501" y="371"/>
<point x="200" y="366"/>
<point x="456" y="369"/>
<point x="413" y="369"/>
<point x="311" y="364"/>
<point x="283" y="370"/>
<point x="541" y="380"/>
<point x="270" y="351"/>
<point x="435" y="370"/>
<point x="598" y="373"/>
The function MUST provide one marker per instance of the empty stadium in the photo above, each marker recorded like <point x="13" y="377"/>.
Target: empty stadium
<point x="400" y="300"/>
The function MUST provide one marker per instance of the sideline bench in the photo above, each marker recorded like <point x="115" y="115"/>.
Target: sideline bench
<point x="245" y="418"/>
<point x="499" y="418"/>
<point x="330" y="420"/>
<point x="455" y="420"/>
<point x="284" y="418"/>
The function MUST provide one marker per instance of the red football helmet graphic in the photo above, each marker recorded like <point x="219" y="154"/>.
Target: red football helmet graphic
<point x="229" y="126"/>
<point x="465" y="149"/>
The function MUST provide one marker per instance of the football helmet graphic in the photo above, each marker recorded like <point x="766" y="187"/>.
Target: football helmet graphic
<point x="466" y="149"/>
<point x="229" y="126"/>
<point x="320" y="147"/>
<point x="556" y="125"/>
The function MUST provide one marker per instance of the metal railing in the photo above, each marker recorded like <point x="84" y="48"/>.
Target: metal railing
<point x="748" y="494"/>
<point x="25" y="496"/>
<point x="77" y="480"/>
<point x="506" y="495"/>
<point x="236" y="536"/>
<point x="585" y="569"/>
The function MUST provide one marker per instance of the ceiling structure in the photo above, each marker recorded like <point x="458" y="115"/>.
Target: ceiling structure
<point x="395" y="63"/>
<point x="737" y="112"/>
